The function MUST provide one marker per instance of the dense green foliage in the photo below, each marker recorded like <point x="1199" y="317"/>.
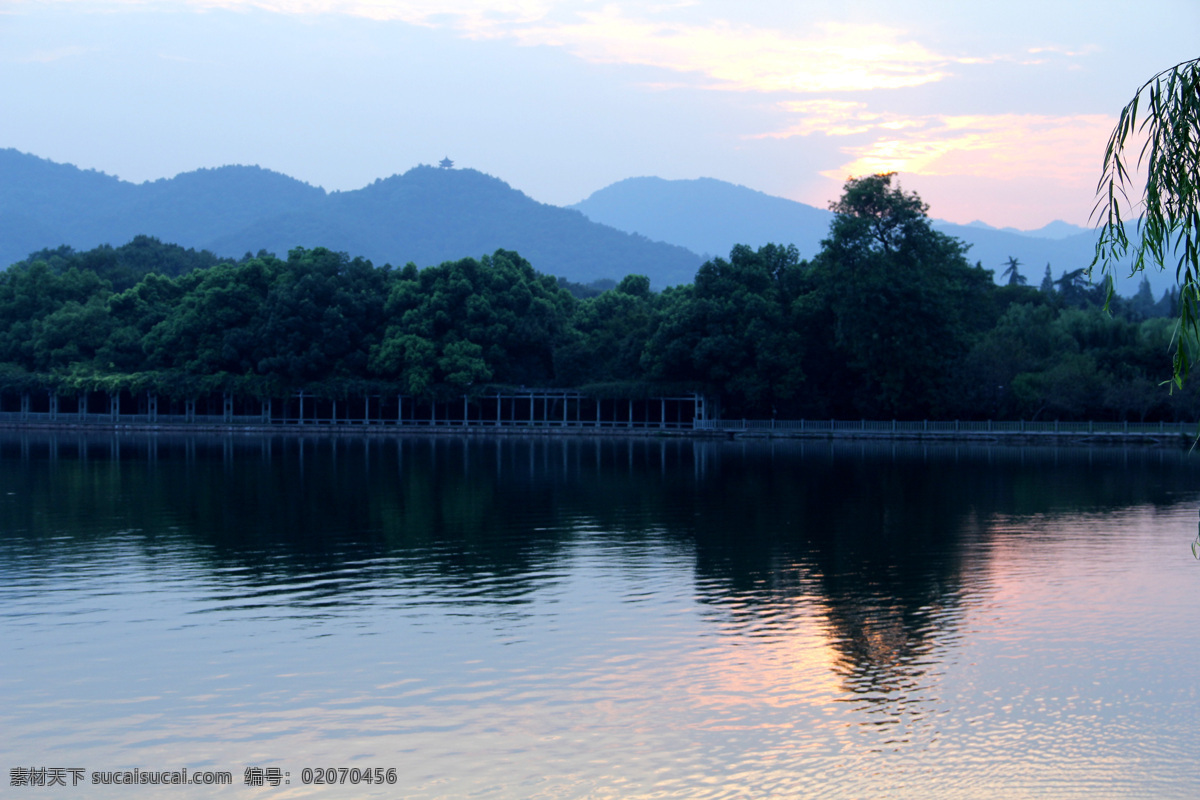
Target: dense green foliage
<point x="468" y="322"/>
<point x="124" y="266"/>
<point x="889" y="320"/>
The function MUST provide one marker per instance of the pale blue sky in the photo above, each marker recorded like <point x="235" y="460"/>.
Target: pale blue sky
<point x="992" y="111"/>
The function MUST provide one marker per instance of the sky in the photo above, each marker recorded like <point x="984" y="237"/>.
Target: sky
<point x="991" y="111"/>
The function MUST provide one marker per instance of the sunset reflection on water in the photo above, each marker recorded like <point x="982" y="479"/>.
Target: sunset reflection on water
<point x="627" y="620"/>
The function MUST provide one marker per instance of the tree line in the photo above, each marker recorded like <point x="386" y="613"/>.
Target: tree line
<point x="888" y="320"/>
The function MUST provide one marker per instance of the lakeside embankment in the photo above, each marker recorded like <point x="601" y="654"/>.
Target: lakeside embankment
<point x="1040" y="432"/>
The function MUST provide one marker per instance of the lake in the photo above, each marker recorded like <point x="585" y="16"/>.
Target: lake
<point x="598" y="618"/>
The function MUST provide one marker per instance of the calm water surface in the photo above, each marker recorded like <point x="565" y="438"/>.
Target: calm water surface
<point x="601" y="618"/>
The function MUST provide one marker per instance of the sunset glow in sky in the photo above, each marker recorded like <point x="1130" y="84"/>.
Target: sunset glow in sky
<point x="992" y="111"/>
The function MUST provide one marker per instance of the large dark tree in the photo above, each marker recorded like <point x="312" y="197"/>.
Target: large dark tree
<point x="900" y="298"/>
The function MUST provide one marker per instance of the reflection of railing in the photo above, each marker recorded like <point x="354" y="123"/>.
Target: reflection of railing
<point x="74" y="418"/>
<point x="885" y="427"/>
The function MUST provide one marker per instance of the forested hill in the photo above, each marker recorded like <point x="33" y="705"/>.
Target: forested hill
<point x="425" y="216"/>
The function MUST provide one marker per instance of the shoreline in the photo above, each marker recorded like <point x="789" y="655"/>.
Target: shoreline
<point x="1163" y="438"/>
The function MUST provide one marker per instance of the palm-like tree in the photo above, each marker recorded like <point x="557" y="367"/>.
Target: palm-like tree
<point x="1015" y="278"/>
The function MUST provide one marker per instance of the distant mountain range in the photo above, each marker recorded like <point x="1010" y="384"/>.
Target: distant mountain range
<point x="710" y="216"/>
<point x="650" y="226"/>
<point x="1054" y="230"/>
<point x="427" y="215"/>
<point x="707" y="216"/>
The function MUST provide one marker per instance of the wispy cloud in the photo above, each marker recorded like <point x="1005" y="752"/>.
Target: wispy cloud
<point x="1062" y="149"/>
<point x="836" y="118"/>
<point x="1086" y="50"/>
<point x="833" y="57"/>
<point x="723" y="54"/>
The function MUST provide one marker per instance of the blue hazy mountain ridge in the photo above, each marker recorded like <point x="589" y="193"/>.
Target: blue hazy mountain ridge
<point x="1053" y="230"/>
<point x="710" y="216"/>
<point x="205" y="205"/>
<point x="427" y="216"/>
<point x="433" y="215"/>
<point x="702" y="214"/>
<point x="648" y="226"/>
